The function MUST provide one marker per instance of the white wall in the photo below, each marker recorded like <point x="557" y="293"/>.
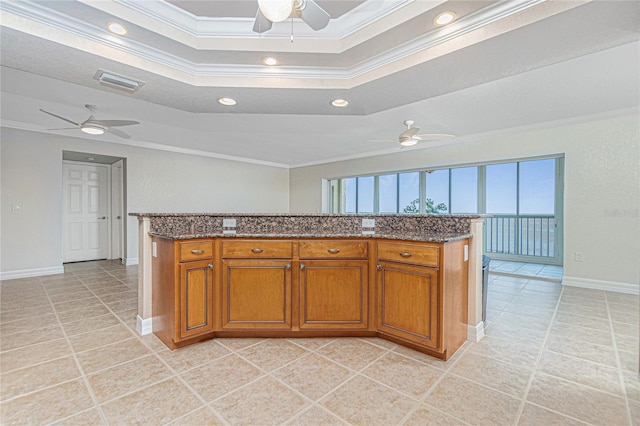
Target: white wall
<point x="601" y="198"/>
<point x="157" y="181"/>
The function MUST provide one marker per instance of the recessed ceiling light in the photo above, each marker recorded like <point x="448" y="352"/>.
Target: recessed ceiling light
<point x="444" y="18"/>
<point x="227" y="101"/>
<point x="270" y="61"/>
<point x="340" y="103"/>
<point x="118" y="29"/>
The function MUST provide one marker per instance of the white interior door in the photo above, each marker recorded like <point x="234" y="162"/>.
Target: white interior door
<point x="117" y="213"/>
<point x="85" y="199"/>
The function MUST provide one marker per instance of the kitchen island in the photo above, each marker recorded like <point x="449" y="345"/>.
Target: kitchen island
<point x="405" y="278"/>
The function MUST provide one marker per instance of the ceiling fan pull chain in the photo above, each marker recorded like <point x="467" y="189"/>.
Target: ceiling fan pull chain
<point x="291" y="28"/>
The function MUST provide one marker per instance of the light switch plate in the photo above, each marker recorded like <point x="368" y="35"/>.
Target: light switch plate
<point x="228" y="223"/>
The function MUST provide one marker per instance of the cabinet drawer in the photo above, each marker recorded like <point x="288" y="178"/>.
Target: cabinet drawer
<point x="195" y="250"/>
<point x="256" y="249"/>
<point x="329" y="249"/>
<point x="409" y="253"/>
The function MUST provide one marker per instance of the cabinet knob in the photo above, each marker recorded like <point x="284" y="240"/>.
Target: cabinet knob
<point x="288" y="266"/>
<point x="404" y="254"/>
<point x="302" y="266"/>
<point x="378" y="267"/>
<point x="333" y="250"/>
<point x="210" y="266"/>
<point x="256" y="250"/>
<point x="197" y="251"/>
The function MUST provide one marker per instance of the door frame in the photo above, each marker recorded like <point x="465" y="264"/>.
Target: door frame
<point x="112" y="194"/>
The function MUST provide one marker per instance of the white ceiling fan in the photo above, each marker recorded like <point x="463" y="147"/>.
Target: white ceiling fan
<point x="410" y="137"/>
<point x="96" y="127"/>
<point x="270" y="11"/>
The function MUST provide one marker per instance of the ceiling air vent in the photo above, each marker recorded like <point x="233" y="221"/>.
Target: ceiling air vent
<point x="119" y="82"/>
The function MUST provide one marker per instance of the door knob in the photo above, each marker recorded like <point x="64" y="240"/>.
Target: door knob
<point x="103" y="217"/>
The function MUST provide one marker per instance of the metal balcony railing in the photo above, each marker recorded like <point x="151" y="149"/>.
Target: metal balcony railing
<point x="521" y="235"/>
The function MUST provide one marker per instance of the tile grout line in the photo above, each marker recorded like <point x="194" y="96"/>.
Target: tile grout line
<point x="621" y="380"/>
<point x="85" y="380"/>
<point x="536" y="363"/>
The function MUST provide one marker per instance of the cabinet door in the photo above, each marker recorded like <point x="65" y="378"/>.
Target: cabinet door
<point x="334" y="294"/>
<point x="196" y="298"/>
<point x="256" y="294"/>
<point x="408" y="303"/>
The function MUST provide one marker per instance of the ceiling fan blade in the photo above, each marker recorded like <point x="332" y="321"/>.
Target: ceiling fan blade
<point x="115" y="123"/>
<point x="61" y="118"/>
<point x="261" y="24"/>
<point x="409" y="133"/>
<point x="435" y="136"/>
<point x="313" y="15"/>
<point x="381" y="141"/>
<point x="119" y="133"/>
<point x="64" y="128"/>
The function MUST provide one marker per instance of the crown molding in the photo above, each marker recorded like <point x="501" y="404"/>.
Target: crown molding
<point x="36" y="19"/>
<point x="18" y="125"/>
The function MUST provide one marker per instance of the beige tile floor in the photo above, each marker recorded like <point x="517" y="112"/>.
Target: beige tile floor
<point x="70" y="355"/>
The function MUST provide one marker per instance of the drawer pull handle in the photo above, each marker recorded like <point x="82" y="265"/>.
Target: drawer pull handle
<point x="333" y="250"/>
<point x="256" y="250"/>
<point x="197" y="251"/>
<point x="404" y="254"/>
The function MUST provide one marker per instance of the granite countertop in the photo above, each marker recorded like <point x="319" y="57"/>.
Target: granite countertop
<point x="432" y="238"/>
<point x="414" y="227"/>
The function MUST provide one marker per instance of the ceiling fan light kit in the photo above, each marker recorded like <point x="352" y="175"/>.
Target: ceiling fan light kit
<point x="270" y="11"/>
<point x="276" y="10"/>
<point x="92" y="129"/>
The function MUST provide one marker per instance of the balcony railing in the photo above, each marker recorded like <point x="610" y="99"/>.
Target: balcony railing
<point x="521" y="235"/>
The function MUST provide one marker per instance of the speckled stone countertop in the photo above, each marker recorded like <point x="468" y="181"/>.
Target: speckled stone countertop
<point x="414" y="227"/>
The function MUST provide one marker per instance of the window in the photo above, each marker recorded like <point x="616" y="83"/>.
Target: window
<point x="409" y="197"/>
<point x="388" y="193"/>
<point x="502" y="188"/>
<point x="464" y="190"/>
<point x="523" y="198"/>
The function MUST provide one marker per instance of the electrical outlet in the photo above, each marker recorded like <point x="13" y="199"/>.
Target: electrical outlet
<point x="578" y="256"/>
<point x="368" y="223"/>
<point x="228" y="223"/>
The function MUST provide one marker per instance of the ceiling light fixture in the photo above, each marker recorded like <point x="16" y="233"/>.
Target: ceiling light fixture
<point x="340" y="103"/>
<point x="409" y="142"/>
<point x="276" y="10"/>
<point x="270" y="61"/>
<point x="444" y="18"/>
<point x="227" y="101"/>
<point x="92" y="129"/>
<point x="117" y="29"/>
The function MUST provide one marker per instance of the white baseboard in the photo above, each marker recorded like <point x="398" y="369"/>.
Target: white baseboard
<point x="144" y="326"/>
<point x="475" y="332"/>
<point x="35" y="272"/>
<point x="601" y="285"/>
<point x="129" y="261"/>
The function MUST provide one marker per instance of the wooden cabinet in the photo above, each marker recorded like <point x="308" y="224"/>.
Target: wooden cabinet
<point x="183" y="291"/>
<point x="412" y="293"/>
<point x="333" y="285"/>
<point x="408" y="302"/>
<point x="422" y="295"/>
<point x="256" y="285"/>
